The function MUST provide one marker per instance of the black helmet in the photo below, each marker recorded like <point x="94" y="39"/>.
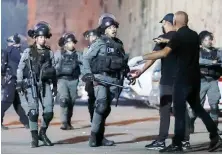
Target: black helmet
<point x="92" y="32"/>
<point x="40" y="29"/>
<point x="14" y="39"/>
<point x="204" y="34"/>
<point x="107" y="22"/>
<point x="66" y="37"/>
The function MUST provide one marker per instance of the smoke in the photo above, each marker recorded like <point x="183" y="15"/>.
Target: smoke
<point x="14" y="19"/>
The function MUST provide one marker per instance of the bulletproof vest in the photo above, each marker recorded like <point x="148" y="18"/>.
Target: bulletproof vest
<point x="69" y="65"/>
<point x="114" y="58"/>
<point x="41" y="63"/>
<point x="214" y="70"/>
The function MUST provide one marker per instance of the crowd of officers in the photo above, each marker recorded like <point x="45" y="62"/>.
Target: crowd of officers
<point x="40" y="74"/>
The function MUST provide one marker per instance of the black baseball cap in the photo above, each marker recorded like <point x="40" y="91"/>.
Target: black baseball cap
<point x="168" y="17"/>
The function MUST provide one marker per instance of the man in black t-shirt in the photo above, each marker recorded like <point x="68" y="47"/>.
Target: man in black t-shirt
<point x="168" y="67"/>
<point x="185" y="46"/>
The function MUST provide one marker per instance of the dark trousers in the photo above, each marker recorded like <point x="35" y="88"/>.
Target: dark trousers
<point x="191" y="94"/>
<point x="10" y="96"/>
<point x="165" y="111"/>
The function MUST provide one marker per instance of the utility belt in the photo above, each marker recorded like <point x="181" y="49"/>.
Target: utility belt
<point x="65" y="77"/>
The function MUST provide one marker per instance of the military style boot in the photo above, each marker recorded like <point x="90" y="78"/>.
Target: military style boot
<point x="64" y="126"/>
<point x="70" y="127"/>
<point x="43" y="137"/>
<point x="35" y="139"/>
<point x="106" y="142"/>
<point x="102" y="140"/>
<point x="93" y="140"/>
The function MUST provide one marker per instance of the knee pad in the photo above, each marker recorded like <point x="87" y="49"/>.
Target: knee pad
<point x="48" y="116"/>
<point x="63" y="102"/>
<point x="101" y="107"/>
<point x="33" y="115"/>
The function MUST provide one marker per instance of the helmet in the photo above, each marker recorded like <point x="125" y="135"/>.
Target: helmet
<point x="40" y="29"/>
<point x="67" y="37"/>
<point x="204" y="34"/>
<point x="106" y="15"/>
<point x="92" y="32"/>
<point x="107" y="20"/>
<point x="14" y="39"/>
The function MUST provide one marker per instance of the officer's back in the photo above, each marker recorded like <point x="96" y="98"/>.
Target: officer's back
<point x="12" y="55"/>
<point x="186" y="41"/>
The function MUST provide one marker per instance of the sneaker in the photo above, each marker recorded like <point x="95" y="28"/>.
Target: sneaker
<point x="156" y="145"/>
<point x="172" y="149"/>
<point x="186" y="145"/>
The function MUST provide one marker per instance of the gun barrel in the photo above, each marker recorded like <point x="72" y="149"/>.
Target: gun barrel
<point x="109" y="83"/>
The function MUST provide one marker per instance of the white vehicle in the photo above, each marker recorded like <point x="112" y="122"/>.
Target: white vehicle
<point x="147" y="87"/>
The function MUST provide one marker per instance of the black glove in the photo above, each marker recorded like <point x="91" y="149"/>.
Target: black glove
<point x="88" y="77"/>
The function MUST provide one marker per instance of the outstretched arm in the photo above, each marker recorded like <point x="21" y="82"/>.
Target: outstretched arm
<point x="157" y="55"/>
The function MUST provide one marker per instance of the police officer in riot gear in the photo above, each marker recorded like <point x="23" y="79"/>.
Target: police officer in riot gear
<point x="91" y="36"/>
<point x="210" y="67"/>
<point x="38" y="59"/>
<point x="105" y="59"/>
<point x="68" y="71"/>
<point x="9" y="65"/>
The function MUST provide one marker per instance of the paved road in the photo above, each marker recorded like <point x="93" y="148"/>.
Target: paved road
<point x="129" y="126"/>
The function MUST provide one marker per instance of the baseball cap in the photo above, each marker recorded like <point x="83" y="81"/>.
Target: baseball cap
<point x="168" y="17"/>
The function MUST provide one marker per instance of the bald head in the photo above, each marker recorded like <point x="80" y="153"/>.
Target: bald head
<point x="180" y="18"/>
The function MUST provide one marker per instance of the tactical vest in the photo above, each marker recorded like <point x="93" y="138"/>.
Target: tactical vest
<point x="41" y="64"/>
<point x="213" y="71"/>
<point x="113" y="60"/>
<point x="69" y="65"/>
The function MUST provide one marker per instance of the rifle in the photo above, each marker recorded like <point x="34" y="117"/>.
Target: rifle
<point x="123" y="74"/>
<point x="89" y="77"/>
<point x="33" y="81"/>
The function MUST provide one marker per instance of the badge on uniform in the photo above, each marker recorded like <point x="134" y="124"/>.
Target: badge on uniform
<point x="110" y="50"/>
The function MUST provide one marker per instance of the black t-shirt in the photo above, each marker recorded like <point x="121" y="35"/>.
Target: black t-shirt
<point x="185" y="45"/>
<point x="168" y="64"/>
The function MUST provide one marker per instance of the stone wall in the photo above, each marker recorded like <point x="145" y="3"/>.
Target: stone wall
<point x="139" y="19"/>
<point x="75" y="16"/>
